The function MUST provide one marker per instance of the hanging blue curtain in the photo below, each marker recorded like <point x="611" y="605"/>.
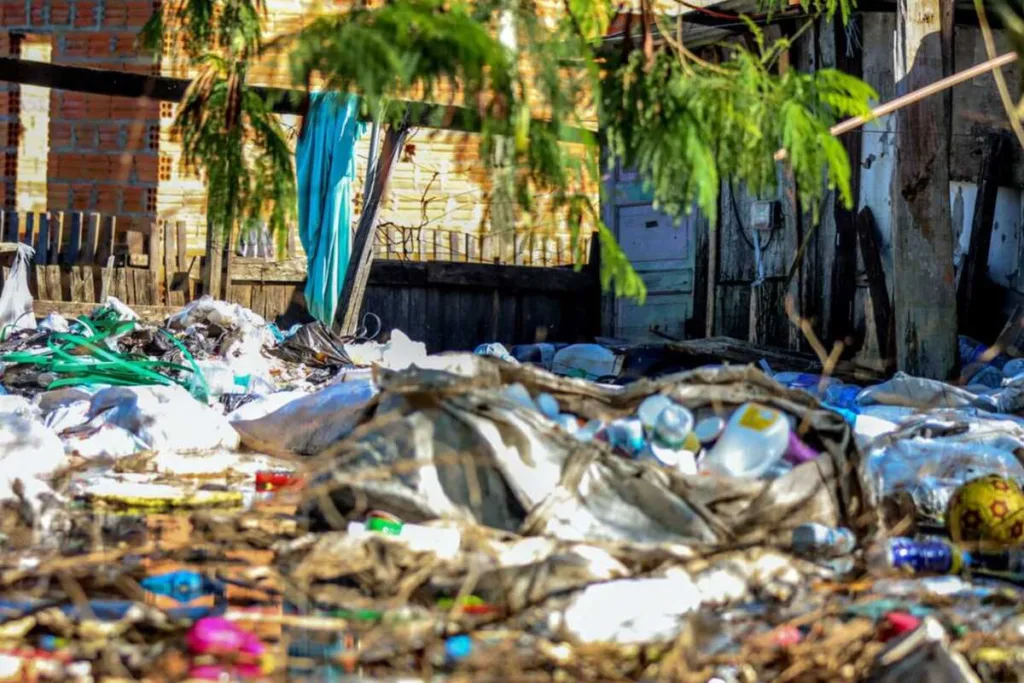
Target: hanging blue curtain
<point x="325" y="165"/>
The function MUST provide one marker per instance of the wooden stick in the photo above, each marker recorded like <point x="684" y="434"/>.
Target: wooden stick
<point x="916" y="96"/>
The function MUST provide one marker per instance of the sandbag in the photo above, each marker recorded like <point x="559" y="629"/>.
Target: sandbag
<point x="440" y="445"/>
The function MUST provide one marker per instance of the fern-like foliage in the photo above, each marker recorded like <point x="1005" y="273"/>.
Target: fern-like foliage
<point x="686" y="126"/>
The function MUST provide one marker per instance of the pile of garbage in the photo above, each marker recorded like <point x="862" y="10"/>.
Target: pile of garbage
<point x="218" y="499"/>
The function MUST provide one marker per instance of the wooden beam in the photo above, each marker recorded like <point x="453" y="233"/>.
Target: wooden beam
<point x="871" y="255"/>
<point x="974" y="269"/>
<point x="167" y="89"/>
<point x="212" y="270"/>
<point x="923" y="278"/>
<point x="353" y="289"/>
<point x="70" y="309"/>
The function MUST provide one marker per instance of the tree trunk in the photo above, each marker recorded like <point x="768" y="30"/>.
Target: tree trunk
<point x="925" y="296"/>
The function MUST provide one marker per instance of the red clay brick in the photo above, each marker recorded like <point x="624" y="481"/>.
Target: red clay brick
<point x="99" y="44"/>
<point x="81" y="197"/>
<point x="72" y="106"/>
<point x="58" y="195"/>
<point x="121" y="167"/>
<point x="38" y="12"/>
<point x="109" y="137"/>
<point x="60" y="12"/>
<point x="97" y="107"/>
<point x="114" y="14"/>
<point x="108" y="198"/>
<point x="85" y="136"/>
<point x="75" y="45"/>
<point x="3" y="103"/>
<point x="60" y="134"/>
<point x="137" y="138"/>
<point x="97" y="167"/>
<point x="13" y="13"/>
<point x="69" y="166"/>
<point x="126" y="44"/>
<point x="85" y="14"/>
<point x="138" y="12"/>
<point x="145" y="167"/>
<point x="133" y="200"/>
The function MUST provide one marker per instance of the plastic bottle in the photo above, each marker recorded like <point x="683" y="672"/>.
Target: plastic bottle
<point x="818" y="540"/>
<point x="926" y="557"/>
<point x="439" y="540"/>
<point x="590" y="431"/>
<point x="627" y="434"/>
<point x="650" y="408"/>
<point x="670" y="444"/>
<point x="568" y="422"/>
<point x="548" y="405"/>
<point x="754" y="439"/>
<point x="709" y="429"/>
<point x="518" y="393"/>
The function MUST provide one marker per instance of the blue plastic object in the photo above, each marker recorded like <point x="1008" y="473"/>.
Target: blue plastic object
<point x="325" y="165"/>
<point x="458" y="647"/>
<point x="182" y="585"/>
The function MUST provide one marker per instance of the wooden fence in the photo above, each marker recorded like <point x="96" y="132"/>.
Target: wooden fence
<point x="450" y="303"/>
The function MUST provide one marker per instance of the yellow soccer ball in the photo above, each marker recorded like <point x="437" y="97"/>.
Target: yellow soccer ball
<point x="987" y="509"/>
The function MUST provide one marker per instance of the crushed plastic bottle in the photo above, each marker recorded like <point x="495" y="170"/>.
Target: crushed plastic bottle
<point x="668" y="443"/>
<point x="818" y="540"/>
<point x="925" y="557"/>
<point x="627" y="434"/>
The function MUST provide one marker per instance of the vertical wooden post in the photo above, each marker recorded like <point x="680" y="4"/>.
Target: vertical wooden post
<point x="925" y="298"/>
<point x="350" y="303"/>
<point x="214" y="262"/>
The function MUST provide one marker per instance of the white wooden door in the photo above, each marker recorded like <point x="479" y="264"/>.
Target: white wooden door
<point x="662" y="252"/>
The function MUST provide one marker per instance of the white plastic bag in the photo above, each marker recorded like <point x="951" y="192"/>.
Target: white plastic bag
<point x="16" y="299"/>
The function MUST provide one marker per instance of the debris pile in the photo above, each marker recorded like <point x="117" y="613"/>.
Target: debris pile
<point x="216" y="499"/>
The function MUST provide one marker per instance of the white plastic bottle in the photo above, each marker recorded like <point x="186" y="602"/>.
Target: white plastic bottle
<point x="754" y="439"/>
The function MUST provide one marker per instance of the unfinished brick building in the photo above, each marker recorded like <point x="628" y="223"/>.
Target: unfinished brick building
<point x="67" y="151"/>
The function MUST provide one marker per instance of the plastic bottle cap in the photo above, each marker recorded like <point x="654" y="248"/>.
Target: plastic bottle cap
<point x="384" y="526"/>
<point x="709" y="429"/>
<point x="458" y="647"/>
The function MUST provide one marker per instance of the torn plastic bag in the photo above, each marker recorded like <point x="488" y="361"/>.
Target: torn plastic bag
<point x="926" y="394"/>
<point x="444" y="446"/>
<point x="309" y="424"/>
<point x="314" y="345"/>
<point x="16" y="299"/>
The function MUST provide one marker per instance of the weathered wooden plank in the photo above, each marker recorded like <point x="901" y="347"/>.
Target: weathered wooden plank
<point x="259" y="270"/>
<point x="258" y="302"/>
<point x="92" y="235"/>
<point x="398" y="274"/>
<point x="213" y="270"/>
<point x="42" y="239"/>
<point x="358" y="272"/>
<point x="156" y="247"/>
<point x="923" y="277"/>
<point x="121" y="284"/>
<point x="972" y="273"/>
<point x="177" y="299"/>
<point x="30" y="233"/>
<point x="170" y="258"/>
<point x="182" y="245"/>
<point x="768" y="324"/>
<point x="107" y="233"/>
<point x="871" y="255"/>
<point x="57" y="228"/>
<point x="142" y="280"/>
<point x="137" y="260"/>
<point x="241" y="294"/>
<point x="11" y="226"/>
<point x="53" y="283"/>
<point x="42" y="286"/>
<point x="77" y="289"/>
<point x="732" y="315"/>
<point x="74" y="246"/>
<point x="74" y="309"/>
<point x="89" y="283"/>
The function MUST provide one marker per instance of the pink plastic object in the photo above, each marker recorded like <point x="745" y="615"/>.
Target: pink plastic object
<point x="797" y="452"/>
<point x="216" y="672"/>
<point x="217" y="636"/>
<point x="786" y="636"/>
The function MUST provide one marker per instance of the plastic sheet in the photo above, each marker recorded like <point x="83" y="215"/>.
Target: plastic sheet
<point x="16" y="299"/>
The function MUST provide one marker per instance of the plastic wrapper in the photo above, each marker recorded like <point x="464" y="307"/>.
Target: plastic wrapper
<point x="314" y="345"/>
<point x="16" y="299"/>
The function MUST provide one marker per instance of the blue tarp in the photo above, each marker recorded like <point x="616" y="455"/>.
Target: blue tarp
<point x="325" y="168"/>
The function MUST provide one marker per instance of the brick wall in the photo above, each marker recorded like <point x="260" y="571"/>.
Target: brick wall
<point x="103" y="151"/>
